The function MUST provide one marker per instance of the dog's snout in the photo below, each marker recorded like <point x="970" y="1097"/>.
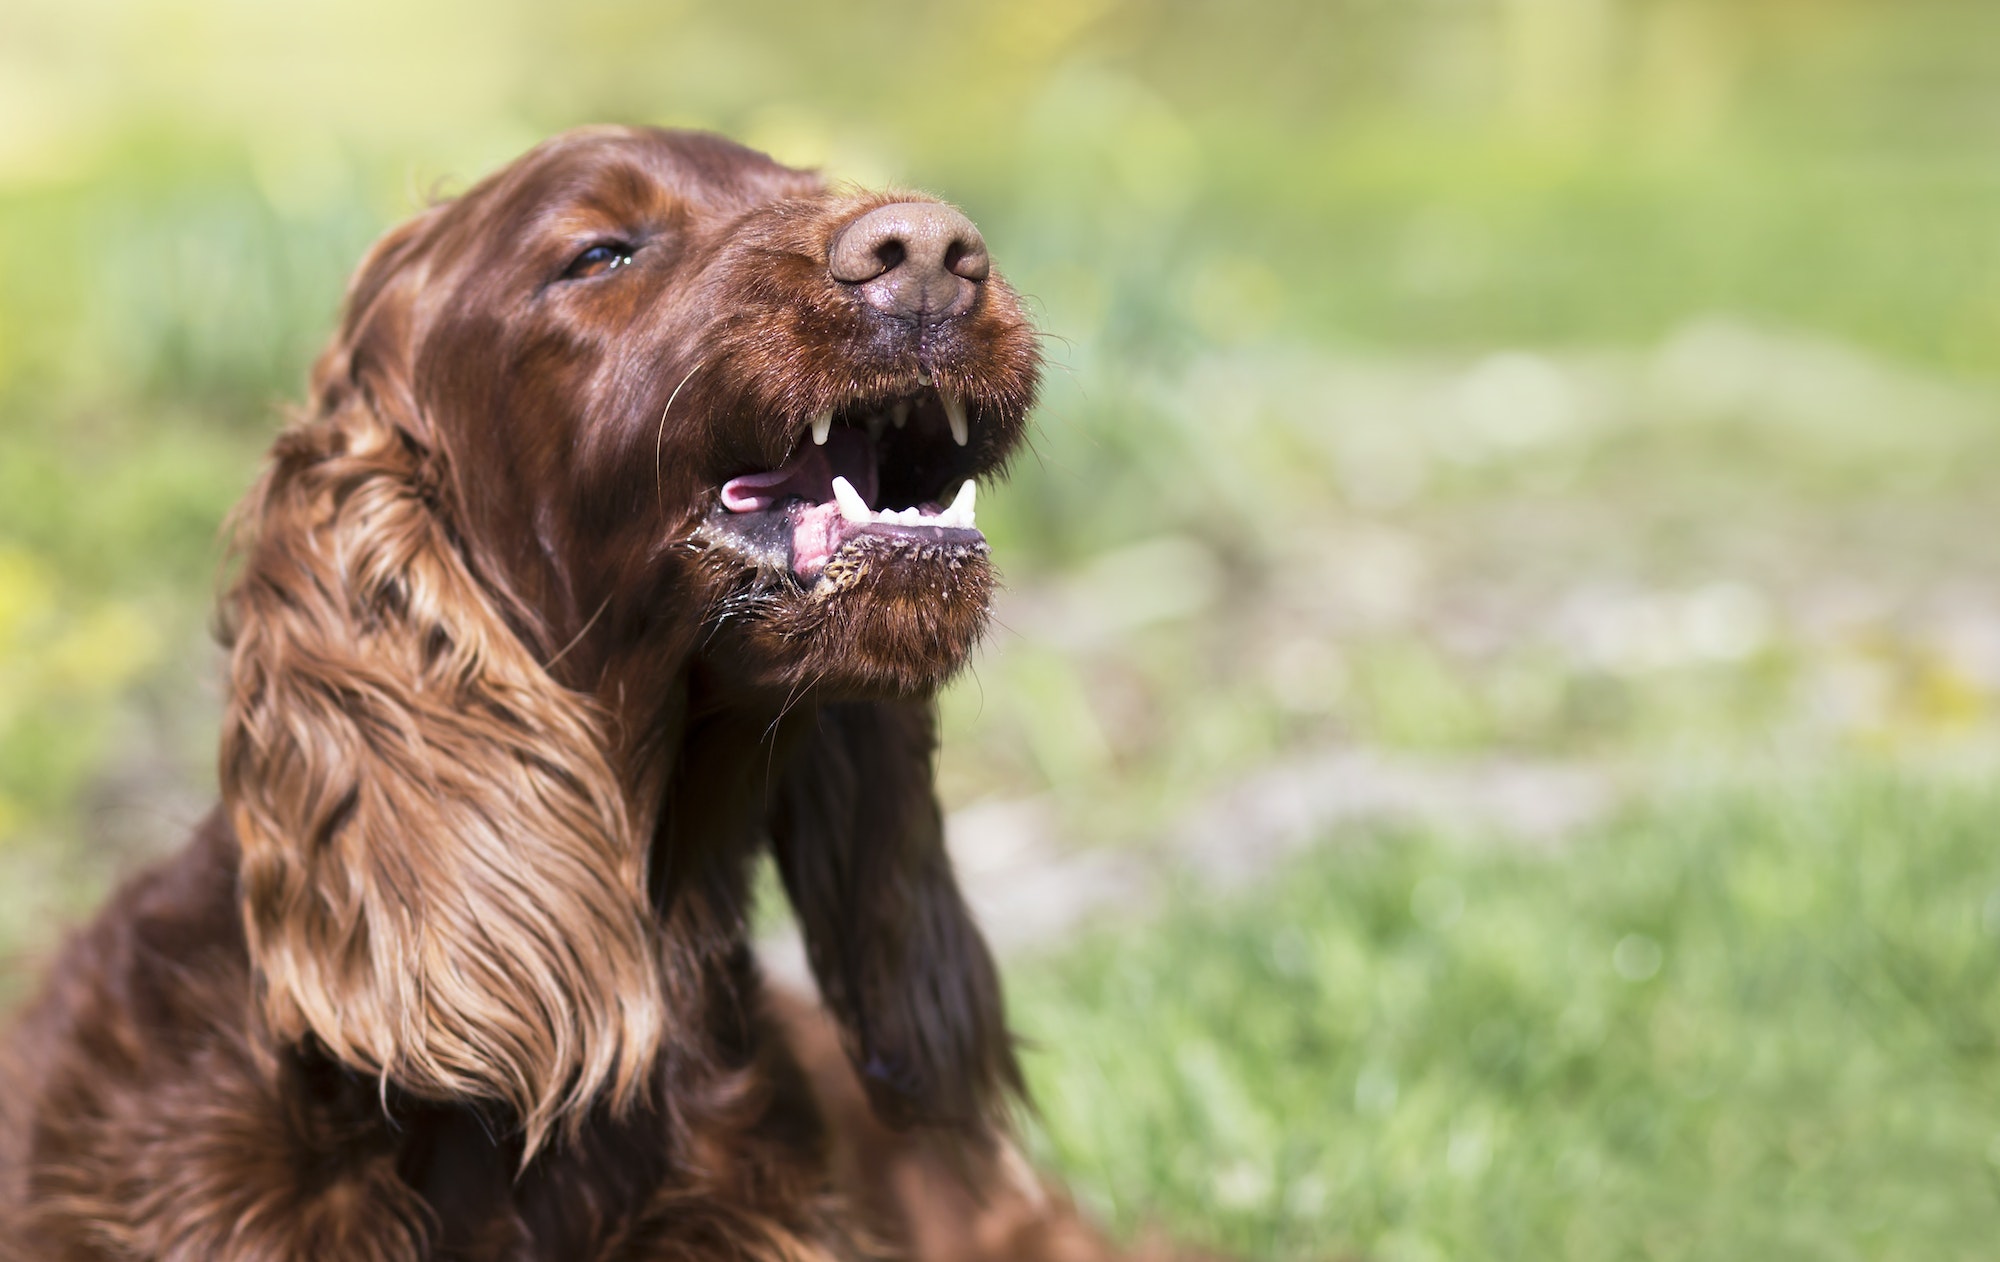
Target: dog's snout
<point x="914" y="260"/>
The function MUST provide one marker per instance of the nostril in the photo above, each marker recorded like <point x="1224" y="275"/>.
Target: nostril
<point x="968" y="260"/>
<point x="890" y="254"/>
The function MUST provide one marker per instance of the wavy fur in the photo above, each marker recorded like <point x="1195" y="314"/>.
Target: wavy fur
<point x="441" y="879"/>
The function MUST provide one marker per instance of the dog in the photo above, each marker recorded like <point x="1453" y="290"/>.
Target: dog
<point x="626" y="538"/>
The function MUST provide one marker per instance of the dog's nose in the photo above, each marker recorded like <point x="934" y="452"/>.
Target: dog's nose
<point x="915" y="260"/>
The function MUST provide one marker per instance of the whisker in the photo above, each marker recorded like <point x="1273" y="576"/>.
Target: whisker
<point x="660" y="439"/>
<point x="578" y="637"/>
<point x="797" y="694"/>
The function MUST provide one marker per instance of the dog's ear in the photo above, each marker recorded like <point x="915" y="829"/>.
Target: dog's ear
<point x="440" y="881"/>
<point x="900" y="962"/>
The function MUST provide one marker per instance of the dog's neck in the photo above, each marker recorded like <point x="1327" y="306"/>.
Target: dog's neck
<point x="703" y="757"/>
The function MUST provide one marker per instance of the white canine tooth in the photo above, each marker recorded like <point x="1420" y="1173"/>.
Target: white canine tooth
<point x="960" y="512"/>
<point x="852" y="506"/>
<point x="822" y="426"/>
<point x="954" y="412"/>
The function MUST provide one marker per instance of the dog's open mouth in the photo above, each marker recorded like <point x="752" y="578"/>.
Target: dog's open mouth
<point x="896" y="469"/>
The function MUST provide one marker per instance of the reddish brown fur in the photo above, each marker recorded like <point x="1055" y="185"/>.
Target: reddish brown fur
<point x="459" y="969"/>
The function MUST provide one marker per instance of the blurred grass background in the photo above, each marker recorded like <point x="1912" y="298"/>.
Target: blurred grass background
<point x="1605" y="385"/>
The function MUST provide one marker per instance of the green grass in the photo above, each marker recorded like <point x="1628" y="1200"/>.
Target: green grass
<point x="1737" y="1024"/>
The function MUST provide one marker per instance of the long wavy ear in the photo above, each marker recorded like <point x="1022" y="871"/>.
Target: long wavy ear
<point x="900" y="962"/>
<point x="439" y="876"/>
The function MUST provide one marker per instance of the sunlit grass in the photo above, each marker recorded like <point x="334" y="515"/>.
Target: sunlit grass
<point x="1750" y="1025"/>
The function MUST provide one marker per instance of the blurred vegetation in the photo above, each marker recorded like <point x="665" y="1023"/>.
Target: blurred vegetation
<point x="1611" y="381"/>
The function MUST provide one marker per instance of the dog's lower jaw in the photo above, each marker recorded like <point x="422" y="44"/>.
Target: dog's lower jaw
<point x="889" y="618"/>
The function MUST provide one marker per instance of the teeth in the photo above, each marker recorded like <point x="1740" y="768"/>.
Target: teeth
<point x="954" y="412"/>
<point x="876" y="424"/>
<point x="959" y="514"/>
<point x="822" y="426"/>
<point x="854" y="509"/>
<point x="899" y="415"/>
<point x="852" y="506"/>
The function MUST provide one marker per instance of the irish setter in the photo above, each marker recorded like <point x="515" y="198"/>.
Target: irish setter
<point x="626" y="537"/>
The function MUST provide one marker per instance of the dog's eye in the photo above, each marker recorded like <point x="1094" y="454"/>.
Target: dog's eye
<point x="597" y="260"/>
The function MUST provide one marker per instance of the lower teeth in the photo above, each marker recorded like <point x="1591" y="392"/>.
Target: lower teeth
<point x="855" y="509"/>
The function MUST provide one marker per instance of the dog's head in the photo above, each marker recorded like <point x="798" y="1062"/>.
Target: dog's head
<point x="664" y="373"/>
<point x="642" y="404"/>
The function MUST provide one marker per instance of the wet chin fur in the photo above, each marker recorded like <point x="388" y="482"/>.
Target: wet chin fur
<point x="887" y="618"/>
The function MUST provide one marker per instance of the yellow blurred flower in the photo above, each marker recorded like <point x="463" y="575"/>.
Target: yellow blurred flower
<point x="27" y="596"/>
<point x="103" y="650"/>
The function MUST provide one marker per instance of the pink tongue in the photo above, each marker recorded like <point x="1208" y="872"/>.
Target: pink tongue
<point x="808" y="475"/>
<point x="817" y="524"/>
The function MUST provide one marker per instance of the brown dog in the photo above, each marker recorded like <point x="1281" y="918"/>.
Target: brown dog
<point x="628" y="534"/>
